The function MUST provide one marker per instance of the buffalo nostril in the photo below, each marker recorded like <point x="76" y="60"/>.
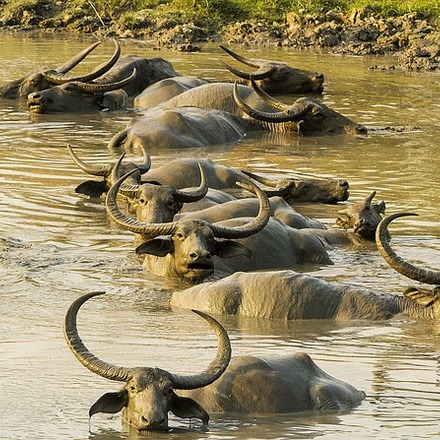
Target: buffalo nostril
<point x="362" y="130"/>
<point x="344" y="183"/>
<point x="193" y="255"/>
<point x="319" y="76"/>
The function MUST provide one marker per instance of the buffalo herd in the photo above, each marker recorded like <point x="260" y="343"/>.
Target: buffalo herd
<point x="230" y="237"/>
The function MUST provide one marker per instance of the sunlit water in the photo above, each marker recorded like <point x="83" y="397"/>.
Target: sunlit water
<point x="57" y="245"/>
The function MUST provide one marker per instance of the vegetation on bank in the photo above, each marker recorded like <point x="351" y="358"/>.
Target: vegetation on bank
<point x="212" y="13"/>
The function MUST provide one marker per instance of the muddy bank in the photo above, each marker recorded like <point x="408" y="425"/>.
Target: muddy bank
<point x="413" y="43"/>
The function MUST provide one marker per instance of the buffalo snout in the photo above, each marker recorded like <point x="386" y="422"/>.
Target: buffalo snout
<point x="35" y="103"/>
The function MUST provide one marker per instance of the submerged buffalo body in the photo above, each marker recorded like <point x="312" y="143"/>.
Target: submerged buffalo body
<point x="272" y="76"/>
<point x="190" y="249"/>
<point x="247" y="384"/>
<point x="191" y="126"/>
<point x="113" y="90"/>
<point x="289" y="295"/>
<point x="43" y="78"/>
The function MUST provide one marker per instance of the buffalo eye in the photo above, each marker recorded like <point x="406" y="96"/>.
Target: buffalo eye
<point x="179" y="235"/>
<point x="318" y="115"/>
<point x="142" y="200"/>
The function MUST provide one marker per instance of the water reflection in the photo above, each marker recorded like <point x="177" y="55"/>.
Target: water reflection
<point x="56" y="245"/>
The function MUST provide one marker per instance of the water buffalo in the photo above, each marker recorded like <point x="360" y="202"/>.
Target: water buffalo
<point x="156" y="203"/>
<point x="130" y="73"/>
<point x="305" y="189"/>
<point x="290" y="295"/>
<point x="190" y="126"/>
<point x="46" y="78"/>
<point x="248" y="207"/>
<point x="81" y="97"/>
<point x="245" y="384"/>
<point x="165" y="89"/>
<point x="184" y="172"/>
<point x="187" y="249"/>
<point x="363" y="216"/>
<point x="272" y="76"/>
<point x="304" y="116"/>
<point x="276" y="77"/>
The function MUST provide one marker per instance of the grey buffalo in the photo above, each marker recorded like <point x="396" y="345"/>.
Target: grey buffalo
<point x="184" y="173"/>
<point x="290" y="295"/>
<point x="248" y="207"/>
<point x="272" y="76"/>
<point x="276" y="77"/>
<point x="363" y="216"/>
<point x="305" y="188"/>
<point x="190" y="126"/>
<point x="189" y="249"/>
<point x="245" y="384"/>
<point x="46" y="78"/>
<point x="111" y="87"/>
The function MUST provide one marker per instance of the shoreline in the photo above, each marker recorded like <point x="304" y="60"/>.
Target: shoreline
<point x="412" y="42"/>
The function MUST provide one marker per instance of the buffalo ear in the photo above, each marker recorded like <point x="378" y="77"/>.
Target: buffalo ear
<point x="157" y="246"/>
<point x="115" y="100"/>
<point x="230" y="248"/>
<point x="187" y="408"/>
<point x="110" y="403"/>
<point x="92" y="188"/>
<point x="380" y="208"/>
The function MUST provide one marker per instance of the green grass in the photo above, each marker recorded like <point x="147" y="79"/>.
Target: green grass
<point x="269" y="10"/>
<point x="223" y="11"/>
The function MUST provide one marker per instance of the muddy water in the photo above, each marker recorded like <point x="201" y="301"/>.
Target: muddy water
<point x="56" y="245"/>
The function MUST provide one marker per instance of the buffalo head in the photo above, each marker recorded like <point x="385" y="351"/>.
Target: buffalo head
<point x="275" y="77"/>
<point x="363" y="216"/>
<point x="294" y="190"/>
<point x="186" y="248"/>
<point x="148" y="393"/>
<point x="81" y="97"/>
<point x="45" y="78"/>
<point x="305" y="115"/>
<point x="154" y="202"/>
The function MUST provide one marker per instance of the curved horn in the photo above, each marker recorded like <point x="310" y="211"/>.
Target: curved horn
<point x="267" y="98"/>
<point x="251" y="228"/>
<point x="194" y="195"/>
<point x="133" y="225"/>
<point x="247" y="61"/>
<point x="260" y="179"/>
<point x="216" y="368"/>
<point x="248" y="76"/>
<point x="89" y="87"/>
<point x="280" y="191"/>
<point x="74" y="61"/>
<point x="95" y="170"/>
<point x="292" y="113"/>
<point x="397" y="263"/>
<point x="81" y="352"/>
<point x="144" y="166"/>
<point x="370" y="198"/>
<point x="58" y="77"/>
<point x="129" y="190"/>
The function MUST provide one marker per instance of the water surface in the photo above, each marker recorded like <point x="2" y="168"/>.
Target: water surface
<point x="56" y="245"/>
